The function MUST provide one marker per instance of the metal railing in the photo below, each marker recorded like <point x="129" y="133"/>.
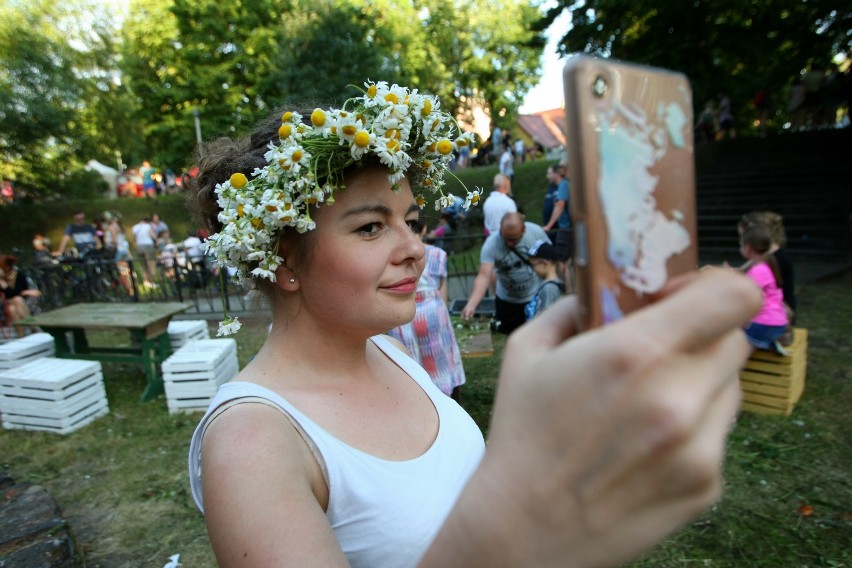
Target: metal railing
<point x="72" y="281"/>
<point x="178" y="279"/>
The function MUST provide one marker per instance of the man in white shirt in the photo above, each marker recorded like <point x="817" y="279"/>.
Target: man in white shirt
<point x="498" y="204"/>
<point x="507" y="163"/>
<point x="146" y="239"/>
<point x="520" y="150"/>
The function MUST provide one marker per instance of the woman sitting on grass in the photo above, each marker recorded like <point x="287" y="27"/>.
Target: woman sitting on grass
<point x="333" y="448"/>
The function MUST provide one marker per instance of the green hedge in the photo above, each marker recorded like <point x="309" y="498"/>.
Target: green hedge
<point x="21" y="221"/>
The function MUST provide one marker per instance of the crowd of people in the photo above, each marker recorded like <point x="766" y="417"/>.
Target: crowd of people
<point x="104" y="241"/>
<point x="815" y="99"/>
<point x="150" y="182"/>
<point x="527" y="267"/>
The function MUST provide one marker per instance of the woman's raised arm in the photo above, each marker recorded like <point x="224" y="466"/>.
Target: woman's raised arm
<point x="601" y="446"/>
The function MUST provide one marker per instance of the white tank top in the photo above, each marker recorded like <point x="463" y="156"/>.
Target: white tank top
<point x="384" y="513"/>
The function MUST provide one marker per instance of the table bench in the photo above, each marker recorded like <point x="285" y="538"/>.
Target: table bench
<point x="147" y="323"/>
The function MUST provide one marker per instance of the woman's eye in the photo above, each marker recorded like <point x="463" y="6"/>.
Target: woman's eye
<point x="370" y="229"/>
<point x="412" y="224"/>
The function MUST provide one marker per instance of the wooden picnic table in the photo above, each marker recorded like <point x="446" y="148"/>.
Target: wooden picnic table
<point x="147" y="323"/>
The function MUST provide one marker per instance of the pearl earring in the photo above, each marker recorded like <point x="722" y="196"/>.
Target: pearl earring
<point x="292" y="280"/>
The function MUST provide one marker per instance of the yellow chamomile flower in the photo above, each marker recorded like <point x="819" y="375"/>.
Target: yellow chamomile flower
<point x="238" y="180"/>
<point x="318" y="117"/>
<point x="473" y="198"/>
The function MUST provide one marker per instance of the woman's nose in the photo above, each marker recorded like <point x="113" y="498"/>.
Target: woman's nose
<point x="412" y="247"/>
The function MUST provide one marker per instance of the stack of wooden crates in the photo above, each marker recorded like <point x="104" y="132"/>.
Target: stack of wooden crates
<point x="21" y="351"/>
<point x="40" y="392"/>
<point x="773" y="383"/>
<point x="193" y="373"/>
<point x="182" y="332"/>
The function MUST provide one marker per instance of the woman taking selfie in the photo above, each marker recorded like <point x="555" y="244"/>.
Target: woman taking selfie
<point x="333" y="448"/>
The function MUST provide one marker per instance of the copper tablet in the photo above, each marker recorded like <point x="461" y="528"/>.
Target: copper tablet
<point x="632" y="182"/>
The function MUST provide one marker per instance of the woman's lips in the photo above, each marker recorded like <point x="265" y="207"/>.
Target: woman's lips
<point x="407" y="286"/>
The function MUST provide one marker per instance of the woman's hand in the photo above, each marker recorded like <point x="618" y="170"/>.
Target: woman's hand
<point x="602" y="445"/>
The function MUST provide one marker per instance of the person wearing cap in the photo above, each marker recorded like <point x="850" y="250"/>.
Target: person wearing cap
<point x="542" y="257"/>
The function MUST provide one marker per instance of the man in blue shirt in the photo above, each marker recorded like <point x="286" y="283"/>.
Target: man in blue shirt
<point x="82" y="233"/>
<point x="560" y="217"/>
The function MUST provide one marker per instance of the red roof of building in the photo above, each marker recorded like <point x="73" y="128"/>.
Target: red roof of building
<point x="546" y="127"/>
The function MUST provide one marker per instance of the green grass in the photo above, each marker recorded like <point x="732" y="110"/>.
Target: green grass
<point x="777" y="466"/>
<point x="122" y="483"/>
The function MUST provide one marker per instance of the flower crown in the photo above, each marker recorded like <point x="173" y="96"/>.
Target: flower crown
<point x="405" y="130"/>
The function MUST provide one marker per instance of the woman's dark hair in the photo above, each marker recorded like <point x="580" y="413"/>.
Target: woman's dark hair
<point x="217" y="160"/>
<point x="759" y="238"/>
<point x="220" y="158"/>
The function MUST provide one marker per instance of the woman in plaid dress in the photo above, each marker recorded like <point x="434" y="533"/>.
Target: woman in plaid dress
<point x="430" y="337"/>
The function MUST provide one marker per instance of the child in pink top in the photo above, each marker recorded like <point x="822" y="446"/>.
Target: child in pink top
<point x="771" y="321"/>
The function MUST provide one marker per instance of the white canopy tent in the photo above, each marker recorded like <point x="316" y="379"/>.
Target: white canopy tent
<point x="109" y="174"/>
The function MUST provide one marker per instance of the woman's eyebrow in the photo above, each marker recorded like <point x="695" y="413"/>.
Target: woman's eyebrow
<point x="379" y="209"/>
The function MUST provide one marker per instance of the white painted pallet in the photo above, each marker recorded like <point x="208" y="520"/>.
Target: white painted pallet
<point x="200" y="355"/>
<point x="227" y="344"/>
<point x="57" y="409"/>
<point x="182" y="332"/>
<point x="193" y="374"/>
<point x="203" y="385"/>
<point x="25" y="349"/>
<point x="64" y="425"/>
<point x="224" y="372"/>
<point x="54" y="395"/>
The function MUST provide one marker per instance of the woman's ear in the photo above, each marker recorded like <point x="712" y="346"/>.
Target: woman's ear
<point x="286" y="279"/>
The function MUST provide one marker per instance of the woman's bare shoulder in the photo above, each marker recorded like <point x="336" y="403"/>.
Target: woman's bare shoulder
<point x="397" y="343"/>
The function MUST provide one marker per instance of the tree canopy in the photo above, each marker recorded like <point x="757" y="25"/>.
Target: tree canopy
<point x="236" y="61"/>
<point x="78" y="83"/>
<point x="724" y="45"/>
<point x="60" y="102"/>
